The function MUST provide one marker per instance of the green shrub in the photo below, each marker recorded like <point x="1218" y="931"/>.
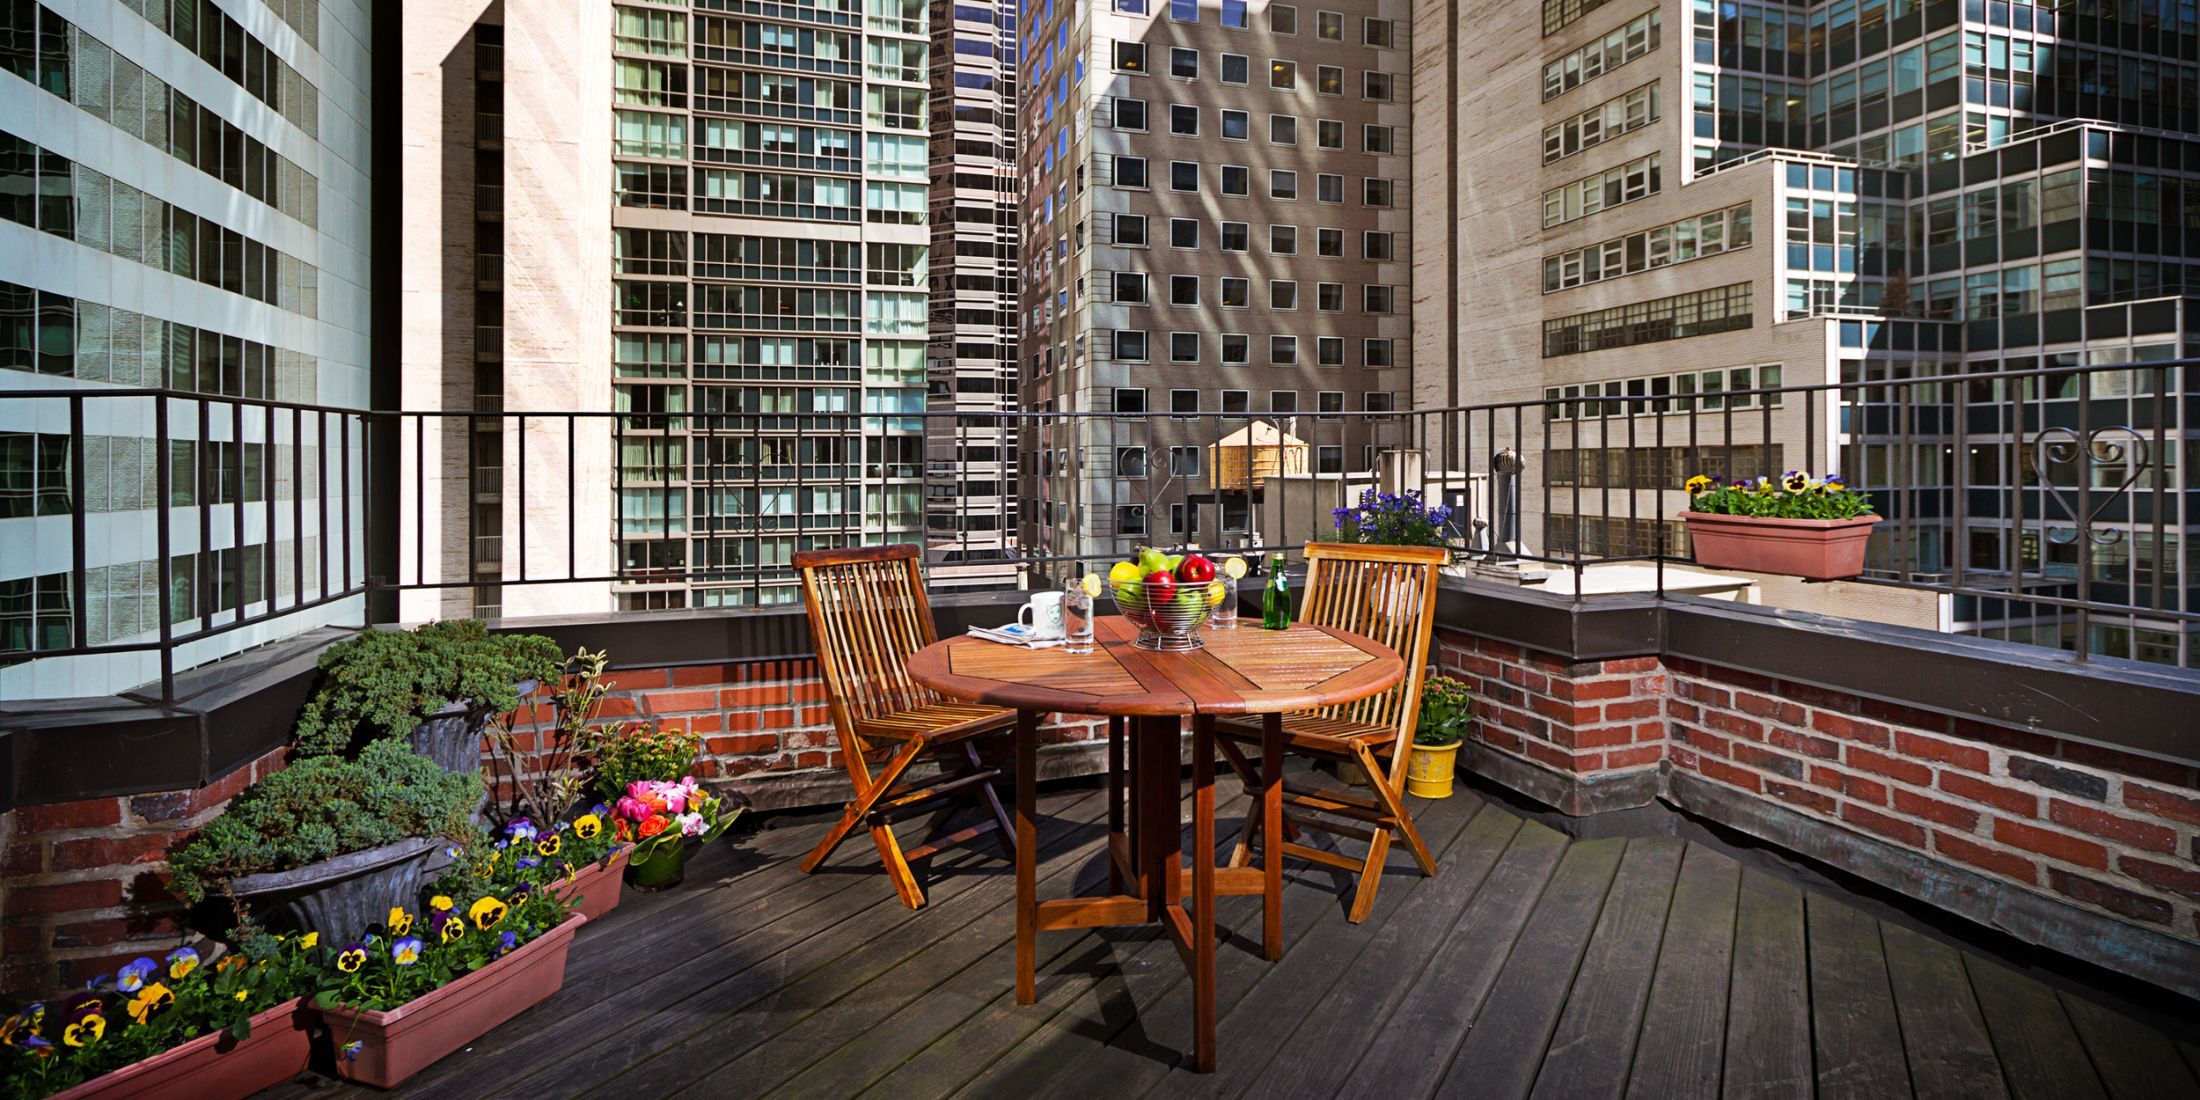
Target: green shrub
<point x="1447" y="711"/>
<point x="322" y="807"/>
<point x="383" y="682"/>
<point x="640" y="750"/>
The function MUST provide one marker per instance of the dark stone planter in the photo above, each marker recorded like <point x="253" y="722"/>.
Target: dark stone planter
<point x="341" y="897"/>
<point x="452" y="736"/>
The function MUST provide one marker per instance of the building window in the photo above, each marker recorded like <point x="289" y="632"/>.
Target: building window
<point x="1236" y="125"/>
<point x="1329" y="459"/>
<point x="1184" y="120"/>
<point x="1687" y="239"/>
<point x="1130" y="172"/>
<point x="1130" y="230"/>
<point x="1329" y="242"/>
<point x="1377" y="33"/>
<point x="1283" y="294"/>
<point x="1635" y="180"/>
<point x="1377" y="245"/>
<point x="1237" y="404"/>
<point x="1328" y="80"/>
<point x="1184" y="461"/>
<point x="1375" y="86"/>
<point x="1130" y="288"/>
<point x="1130" y="57"/>
<point x="1329" y="297"/>
<point x="1721" y="309"/>
<point x="1283" y="74"/>
<point x="1328" y="403"/>
<point x="1130" y="346"/>
<point x="1282" y="184"/>
<point x="1607" y="120"/>
<point x="1184" y="404"/>
<point x="1283" y="351"/>
<point x="1329" y="351"/>
<point x="1131" y="399"/>
<point x="1283" y="130"/>
<point x="1183" y="175"/>
<point x="1236" y="237"/>
<point x="1618" y="48"/>
<point x="1378" y="139"/>
<point x="1183" y="63"/>
<point x="1236" y="292"/>
<point x="1236" y="180"/>
<point x="1283" y="240"/>
<point x="1184" y="348"/>
<point x="1329" y="26"/>
<point x="1236" y="69"/>
<point x="1130" y="462"/>
<point x="1328" y="134"/>
<point x="1283" y="402"/>
<point x="1183" y="290"/>
<point x="1130" y="519"/>
<point x="1130" y="114"/>
<point x="1376" y="192"/>
<point x="1233" y="14"/>
<point x="1283" y="19"/>
<point x="1376" y="352"/>
<point x="1236" y="352"/>
<point x="1328" y="188"/>
<point x="1183" y="232"/>
<point x="1184" y="11"/>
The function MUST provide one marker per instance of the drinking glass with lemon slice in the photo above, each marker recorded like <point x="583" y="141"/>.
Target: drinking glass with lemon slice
<point x="1223" y="594"/>
<point x="1077" y="597"/>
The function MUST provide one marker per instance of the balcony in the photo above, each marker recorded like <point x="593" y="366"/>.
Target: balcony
<point x="1723" y="827"/>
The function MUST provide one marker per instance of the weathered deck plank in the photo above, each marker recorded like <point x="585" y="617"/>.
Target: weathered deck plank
<point x="1584" y="1062"/>
<point x="1950" y="1055"/>
<point x="1853" y="1023"/>
<point x="2133" y="1060"/>
<point x="1768" y="1002"/>
<point x="1684" y="1029"/>
<point x="2041" y="1057"/>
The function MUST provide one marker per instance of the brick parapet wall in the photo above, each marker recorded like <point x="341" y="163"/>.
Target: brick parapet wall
<point x="1585" y="719"/>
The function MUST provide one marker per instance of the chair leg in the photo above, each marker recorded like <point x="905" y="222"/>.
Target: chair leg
<point x="1371" y="876"/>
<point x="897" y="867"/>
<point x="1395" y="806"/>
<point x="1005" y="830"/>
<point x="1241" y="854"/>
<point x="868" y="791"/>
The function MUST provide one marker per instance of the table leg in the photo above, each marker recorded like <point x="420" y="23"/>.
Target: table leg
<point x="1203" y="894"/>
<point x="1271" y="835"/>
<point x="1116" y="750"/>
<point x="1161" y="840"/>
<point x="1027" y="855"/>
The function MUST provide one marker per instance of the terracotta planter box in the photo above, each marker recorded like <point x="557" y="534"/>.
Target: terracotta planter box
<point x="213" y="1067"/>
<point x="598" y="885"/>
<point x="1814" y="549"/>
<point x="399" y="1042"/>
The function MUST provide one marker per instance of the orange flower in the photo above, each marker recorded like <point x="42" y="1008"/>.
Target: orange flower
<point x="657" y="823"/>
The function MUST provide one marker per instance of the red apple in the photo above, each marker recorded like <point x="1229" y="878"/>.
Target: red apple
<point x="1160" y="590"/>
<point x="1195" y="570"/>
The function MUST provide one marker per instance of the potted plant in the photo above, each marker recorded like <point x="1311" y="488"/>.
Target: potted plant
<point x="668" y="820"/>
<point x="1391" y="519"/>
<point x="490" y="944"/>
<point x="542" y="777"/>
<point x="334" y="843"/>
<point x="1800" y="526"/>
<point x="1447" y="713"/>
<point x="169" y="1029"/>
<point x="434" y="687"/>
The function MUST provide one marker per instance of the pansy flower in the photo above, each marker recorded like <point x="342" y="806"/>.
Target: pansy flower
<point x="1795" y="482"/>
<point x="441" y="903"/>
<point x="81" y="1005"/>
<point x="351" y="958"/>
<point x="588" y="826"/>
<point x="38" y="1048"/>
<point x="352" y="1049"/>
<point x="550" y="845"/>
<point x="86" y="1031"/>
<point x="453" y="927"/>
<point x="131" y="977"/>
<point x="309" y="941"/>
<point x="1699" y="485"/>
<point x="506" y="943"/>
<point x="24" y="1023"/>
<point x="519" y="830"/>
<point x="400" y="922"/>
<point x="181" y="962"/>
<point x="529" y="863"/>
<point x="149" y="1000"/>
<point x="487" y="912"/>
<point x="405" y="952"/>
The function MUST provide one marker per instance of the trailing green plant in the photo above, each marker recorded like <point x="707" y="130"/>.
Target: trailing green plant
<point x="322" y="807"/>
<point x="1796" y="495"/>
<point x="1447" y="712"/>
<point x="640" y="752"/>
<point x="382" y="683"/>
<point x="148" y="1007"/>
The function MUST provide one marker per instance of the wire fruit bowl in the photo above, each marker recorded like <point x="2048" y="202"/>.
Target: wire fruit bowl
<point x="1172" y="627"/>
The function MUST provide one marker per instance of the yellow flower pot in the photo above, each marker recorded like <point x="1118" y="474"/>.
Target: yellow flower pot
<point x="1429" y="770"/>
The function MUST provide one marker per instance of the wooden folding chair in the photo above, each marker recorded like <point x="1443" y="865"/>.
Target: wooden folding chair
<point x="1387" y="593"/>
<point x="868" y="614"/>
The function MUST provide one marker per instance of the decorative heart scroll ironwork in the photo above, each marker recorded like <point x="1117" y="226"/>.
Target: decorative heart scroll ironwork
<point x="2061" y="446"/>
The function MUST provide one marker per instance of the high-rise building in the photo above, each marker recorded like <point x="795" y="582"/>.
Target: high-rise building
<point x="184" y="206"/>
<point x="1215" y="214"/>
<point x="970" y="460"/>
<point x="1671" y="201"/>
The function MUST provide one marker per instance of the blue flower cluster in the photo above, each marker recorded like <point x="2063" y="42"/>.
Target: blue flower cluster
<point x="1392" y="519"/>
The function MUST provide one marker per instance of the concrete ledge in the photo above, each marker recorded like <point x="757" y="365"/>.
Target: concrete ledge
<point x="2028" y="916"/>
<point x="1575" y="795"/>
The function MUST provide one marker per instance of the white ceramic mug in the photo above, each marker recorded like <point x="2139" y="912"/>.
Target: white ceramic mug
<point x="1043" y="614"/>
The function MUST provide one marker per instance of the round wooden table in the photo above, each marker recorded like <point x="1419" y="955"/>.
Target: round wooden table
<point x="1245" y="672"/>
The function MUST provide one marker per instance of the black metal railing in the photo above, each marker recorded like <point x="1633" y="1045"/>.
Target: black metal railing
<point x="2048" y="505"/>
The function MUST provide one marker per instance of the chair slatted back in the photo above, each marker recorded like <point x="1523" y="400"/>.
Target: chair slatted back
<point x="1387" y="593"/>
<point x="868" y="615"/>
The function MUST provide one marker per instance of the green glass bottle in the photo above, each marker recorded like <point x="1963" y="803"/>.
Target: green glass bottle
<point x="1275" y="603"/>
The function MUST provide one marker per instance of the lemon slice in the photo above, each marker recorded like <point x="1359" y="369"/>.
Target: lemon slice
<point x="1092" y="585"/>
<point x="1233" y="568"/>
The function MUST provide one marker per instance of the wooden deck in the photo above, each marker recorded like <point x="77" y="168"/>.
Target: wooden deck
<point x="1532" y="966"/>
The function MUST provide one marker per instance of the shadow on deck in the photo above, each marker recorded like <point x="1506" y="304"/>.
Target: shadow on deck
<point x="1531" y="966"/>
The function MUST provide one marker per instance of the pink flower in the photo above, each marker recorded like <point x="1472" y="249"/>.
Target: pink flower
<point x="676" y="798"/>
<point x="634" y="809"/>
<point x="691" y="824"/>
<point x="641" y="788"/>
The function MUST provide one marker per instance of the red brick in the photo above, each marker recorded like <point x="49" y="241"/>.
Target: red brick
<point x="2113" y="898"/>
<point x="705" y="724"/>
<point x="1681" y="712"/>
<point x="1933" y="809"/>
<point x="1969" y="757"/>
<point x="1524" y="678"/>
<point x="1553" y="757"/>
<point x="1804" y="797"/>
<point x="1703" y="740"/>
<point x="704" y="675"/>
<point x="27" y="858"/>
<point x="1562" y="712"/>
<point x="1908" y="832"/>
<point x="89" y="814"/>
<point x="1713" y="768"/>
<point x="2145" y="767"/>
<point x="679" y="702"/>
<point x="2005" y="799"/>
<point x="2048" y="842"/>
<point x="779" y="718"/>
<point x="107" y="931"/>
<point x="754" y="695"/>
<point x="1908" y="771"/>
<point x="1501" y="739"/>
<point x="741" y="745"/>
<point x="1766" y="760"/>
<point x="1804" y="744"/>
<point x="1702" y="693"/>
<point x="2006" y="864"/>
<point x="1735" y="724"/>
<point x="1896" y="714"/>
<point x="1765" y="706"/>
<point x="617" y="706"/>
<point x="1746" y="681"/>
<point x="2124" y="830"/>
<point x="1854" y="786"/>
<point x="2167" y="804"/>
<point x="2162" y="876"/>
<point x="1633" y="708"/>
<point x="812" y="691"/>
<point x="89" y="852"/>
<point x="1634" y="757"/>
<point x="2004" y="737"/>
<point x="635" y="679"/>
<point x="1850" y="729"/>
<point x="1818" y="698"/>
<point x="1588" y="691"/>
<point x="1632" y="664"/>
<point x="64" y="897"/>
<point x="1597" y="737"/>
